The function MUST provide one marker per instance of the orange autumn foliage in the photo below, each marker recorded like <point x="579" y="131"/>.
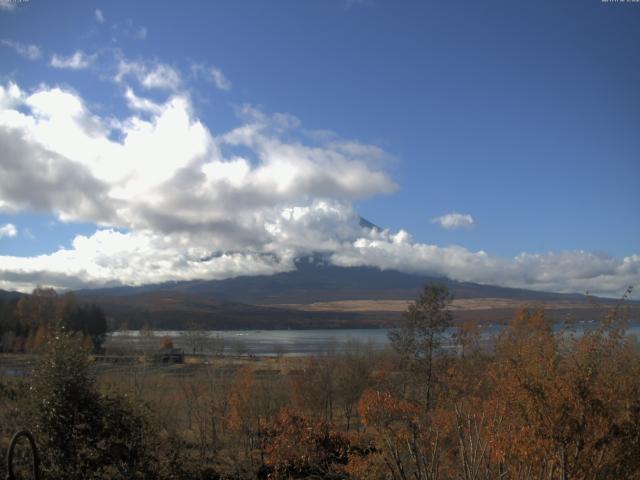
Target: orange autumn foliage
<point x="561" y="398"/>
<point x="299" y="447"/>
<point x="166" y="342"/>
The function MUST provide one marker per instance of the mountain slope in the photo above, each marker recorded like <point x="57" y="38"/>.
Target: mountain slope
<point x="176" y="310"/>
<point x="295" y="300"/>
<point x="316" y="281"/>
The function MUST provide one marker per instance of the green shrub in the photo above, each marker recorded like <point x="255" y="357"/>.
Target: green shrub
<point x="82" y="433"/>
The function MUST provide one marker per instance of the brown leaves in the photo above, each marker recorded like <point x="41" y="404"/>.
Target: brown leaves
<point x="299" y="447"/>
<point x="562" y="395"/>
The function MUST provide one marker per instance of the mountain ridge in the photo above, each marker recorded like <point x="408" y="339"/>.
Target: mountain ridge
<point x="314" y="280"/>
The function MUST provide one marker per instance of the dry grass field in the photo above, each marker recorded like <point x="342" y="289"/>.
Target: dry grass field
<point x="457" y="305"/>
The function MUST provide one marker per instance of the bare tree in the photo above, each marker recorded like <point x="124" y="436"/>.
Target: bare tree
<point x="195" y="338"/>
<point x="419" y="334"/>
<point x="353" y="377"/>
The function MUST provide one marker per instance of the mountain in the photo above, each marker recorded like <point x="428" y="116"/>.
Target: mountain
<point x="9" y="295"/>
<point x="315" y="280"/>
<point x="171" y="310"/>
<point x="319" y="295"/>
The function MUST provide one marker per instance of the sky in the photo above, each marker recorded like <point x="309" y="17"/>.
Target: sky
<point x="496" y="142"/>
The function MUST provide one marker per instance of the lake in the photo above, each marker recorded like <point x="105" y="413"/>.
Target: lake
<point x="289" y="342"/>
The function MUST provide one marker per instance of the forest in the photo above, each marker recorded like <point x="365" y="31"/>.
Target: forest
<point x="530" y="403"/>
<point x="26" y="321"/>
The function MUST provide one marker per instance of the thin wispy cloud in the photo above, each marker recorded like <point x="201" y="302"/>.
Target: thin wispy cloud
<point x="220" y="80"/>
<point x="212" y="75"/>
<point x="99" y="16"/>
<point x="128" y="29"/>
<point x="8" y="4"/>
<point x="76" y="61"/>
<point x="8" y="230"/>
<point x="29" y="51"/>
<point x="455" y="220"/>
<point x="149" y="74"/>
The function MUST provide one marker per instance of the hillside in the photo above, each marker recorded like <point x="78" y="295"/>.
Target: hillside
<point x="314" y="280"/>
<point x="318" y="295"/>
<point x="170" y="310"/>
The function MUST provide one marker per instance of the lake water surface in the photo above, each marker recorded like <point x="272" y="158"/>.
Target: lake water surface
<point x="291" y="342"/>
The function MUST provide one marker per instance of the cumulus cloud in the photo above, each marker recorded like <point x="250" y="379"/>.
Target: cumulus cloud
<point x="576" y="271"/>
<point x="76" y="61"/>
<point x="32" y="177"/>
<point x="174" y="201"/>
<point x="110" y="258"/>
<point x="455" y="220"/>
<point x="29" y="51"/>
<point x="167" y="181"/>
<point x="99" y="16"/>
<point x="8" y="230"/>
<point x="140" y="103"/>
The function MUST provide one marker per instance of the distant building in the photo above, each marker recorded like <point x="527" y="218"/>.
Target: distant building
<point x="170" y="355"/>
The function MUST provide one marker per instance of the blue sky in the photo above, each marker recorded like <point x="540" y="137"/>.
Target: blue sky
<point x="514" y="124"/>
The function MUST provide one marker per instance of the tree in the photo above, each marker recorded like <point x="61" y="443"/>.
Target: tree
<point x="352" y="377"/>
<point x="88" y="319"/>
<point x="42" y="312"/>
<point x="315" y="390"/>
<point x="166" y="343"/>
<point x="82" y="433"/>
<point x="195" y="337"/>
<point x="567" y="400"/>
<point x="42" y="307"/>
<point x="299" y="447"/>
<point x="407" y="443"/>
<point x="244" y="417"/>
<point x="418" y="336"/>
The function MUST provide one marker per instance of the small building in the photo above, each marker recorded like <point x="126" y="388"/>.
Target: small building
<point x="170" y="355"/>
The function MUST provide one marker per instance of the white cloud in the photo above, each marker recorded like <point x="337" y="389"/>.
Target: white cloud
<point x="574" y="271"/>
<point x="127" y="28"/>
<point x="220" y="80"/>
<point x="140" y="103"/>
<point x="8" y="230"/>
<point x="99" y="15"/>
<point x="167" y="174"/>
<point x="211" y="74"/>
<point x="77" y="61"/>
<point x="191" y="204"/>
<point x="8" y="4"/>
<point x="149" y="75"/>
<point x="10" y="96"/>
<point x="31" y="52"/>
<point x="109" y="257"/>
<point x="455" y="220"/>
